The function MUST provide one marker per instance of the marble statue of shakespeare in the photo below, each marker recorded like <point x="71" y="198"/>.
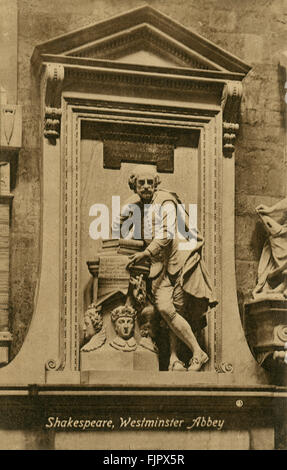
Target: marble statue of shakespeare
<point x="173" y="272"/>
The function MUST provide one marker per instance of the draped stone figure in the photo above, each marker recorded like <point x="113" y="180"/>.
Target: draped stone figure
<point x="266" y="314"/>
<point x="272" y="269"/>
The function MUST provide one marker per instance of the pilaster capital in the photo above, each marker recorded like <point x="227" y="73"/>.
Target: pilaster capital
<point x="53" y="83"/>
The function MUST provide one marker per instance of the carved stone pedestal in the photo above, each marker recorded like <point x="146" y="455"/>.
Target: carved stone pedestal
<point x="110" y="359"/>
<point x="118" y="346"/>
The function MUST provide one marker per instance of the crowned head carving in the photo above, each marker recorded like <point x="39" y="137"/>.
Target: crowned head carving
<point x="123" y="319"/>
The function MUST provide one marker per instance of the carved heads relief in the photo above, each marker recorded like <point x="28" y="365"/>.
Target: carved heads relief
<point x="134" y="308"/>
<point x="123" y="319"/>
<point x="146" y="321"/>
<point x="146" y="312"/>
<point x="94" y="333"/>
<point x="93" y="322"/>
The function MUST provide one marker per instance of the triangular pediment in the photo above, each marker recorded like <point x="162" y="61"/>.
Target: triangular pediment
<point x="144" y="45"/>
<point x="143" y="36"/>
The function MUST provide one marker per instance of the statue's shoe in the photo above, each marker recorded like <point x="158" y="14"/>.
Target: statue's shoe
<point x="177" y="366"/>
<point x="197" y="361"/>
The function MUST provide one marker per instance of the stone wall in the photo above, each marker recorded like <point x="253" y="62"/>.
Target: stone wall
<point x="254" y="30"/>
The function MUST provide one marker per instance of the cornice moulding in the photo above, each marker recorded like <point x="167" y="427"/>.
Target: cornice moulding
<point x="91" y="63"/>
<point x="92" y="70"/>
<point x="168" y="31"/>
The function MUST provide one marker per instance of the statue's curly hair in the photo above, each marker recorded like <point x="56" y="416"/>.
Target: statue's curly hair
<point x="93" y="312"/>
<point x="133" y="180"/>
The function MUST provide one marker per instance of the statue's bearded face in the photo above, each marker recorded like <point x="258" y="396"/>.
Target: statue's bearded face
<point x="124" y="327"/>
<point x="145" y="187"/>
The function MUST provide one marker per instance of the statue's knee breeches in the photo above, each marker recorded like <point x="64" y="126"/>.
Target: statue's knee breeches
<point x="163" y="298"/>
<point x="178" y="297"/>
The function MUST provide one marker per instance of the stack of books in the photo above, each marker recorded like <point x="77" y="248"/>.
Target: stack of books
<point x="122" y="246"/>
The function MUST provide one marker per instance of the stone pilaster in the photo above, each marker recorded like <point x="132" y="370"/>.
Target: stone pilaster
<point x="10" y="142"/>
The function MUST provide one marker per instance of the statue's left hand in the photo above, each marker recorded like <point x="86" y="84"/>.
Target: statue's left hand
<point x="262" y="209"/>
<point x="134" y="259"/>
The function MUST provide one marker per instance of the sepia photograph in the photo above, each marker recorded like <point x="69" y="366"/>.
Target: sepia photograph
<point x="143" y="227"/>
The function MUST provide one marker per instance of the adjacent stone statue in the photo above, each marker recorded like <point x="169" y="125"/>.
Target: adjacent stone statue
<point x="272" y="269"/>
<point x="265" y="316"/>
<point x="174" y="273"/>
<point x="94" y="333"/>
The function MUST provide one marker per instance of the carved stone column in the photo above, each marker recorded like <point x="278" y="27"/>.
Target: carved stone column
<point x="10" y="142"/>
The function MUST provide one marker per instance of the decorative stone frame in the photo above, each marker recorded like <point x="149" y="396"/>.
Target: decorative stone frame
<point x="76" y="89"/>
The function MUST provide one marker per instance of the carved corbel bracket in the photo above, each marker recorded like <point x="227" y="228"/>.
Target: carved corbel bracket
<point x="265" y="321"/>
<point x="53" y="83"/>
<point x="231" y="99"/>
